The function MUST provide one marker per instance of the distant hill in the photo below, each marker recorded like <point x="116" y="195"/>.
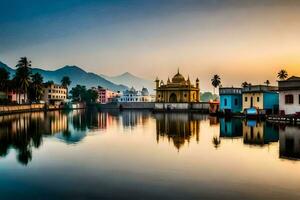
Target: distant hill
<point x="10" y="70"/>
<point x="77" y="76"/>
<point x="130" y="80"/>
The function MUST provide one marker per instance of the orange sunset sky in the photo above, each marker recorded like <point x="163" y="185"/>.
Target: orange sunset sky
<point x="239" y="40"/>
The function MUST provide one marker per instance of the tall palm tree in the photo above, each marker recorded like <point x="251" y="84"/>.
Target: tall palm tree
<point x="216" y="81"/>
<point x="22" y="76"/>
<point x="282" y="74"/>
<point x="37" y="85"/>
<point x="267" y="82"/>
<point x="66" y="82"/>
<point x="4" y="79"/>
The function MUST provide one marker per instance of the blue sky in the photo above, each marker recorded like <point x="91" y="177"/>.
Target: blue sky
<point x="154" y="37"/>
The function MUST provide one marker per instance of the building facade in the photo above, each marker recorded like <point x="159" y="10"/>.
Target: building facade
<point x="289" y="95"/>
<point x="261" y="97"/>
<point x="105" y="95"/>
<point x="54" y="94"/>
<point x="230" y="99"/>
<point x="178" y="90"/>
<point x="133" y="95"/>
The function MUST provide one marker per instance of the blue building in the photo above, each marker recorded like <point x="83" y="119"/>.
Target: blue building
<point x="230" y="99"/>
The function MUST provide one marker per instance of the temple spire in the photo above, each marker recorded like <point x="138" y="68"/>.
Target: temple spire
<point x="178" y="70"/>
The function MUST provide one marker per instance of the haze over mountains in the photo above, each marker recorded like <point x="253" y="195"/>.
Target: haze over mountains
<point x="131" y="80"/>
<point x="89" y="79"/>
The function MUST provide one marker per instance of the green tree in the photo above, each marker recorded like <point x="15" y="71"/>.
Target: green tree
<point x="282" y="74"/>
<point x="91" y="96"/>
<point x="37" y="86"/>
<point x="215" y="81"/>
<point x="66" y="82"/>
<point x="245" y="84"/>
<point x="4" y="79"/>
<point x="22" y="76"/>
<point x="78" y="92"/>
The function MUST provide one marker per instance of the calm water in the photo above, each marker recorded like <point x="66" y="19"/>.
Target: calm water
<point x="141" y="155"/>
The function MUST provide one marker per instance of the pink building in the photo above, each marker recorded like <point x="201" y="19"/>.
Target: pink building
<point x="16" y="98"/>
<point x="106" y="95"/>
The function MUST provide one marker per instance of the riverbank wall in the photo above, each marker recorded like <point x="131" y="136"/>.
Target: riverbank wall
<point x="10" y="109"/>
<point x="126" y="105"/>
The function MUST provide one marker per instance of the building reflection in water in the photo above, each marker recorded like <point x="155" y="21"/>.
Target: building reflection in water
<point x="130" y="118"/>
<point x="289" y="142"/>
<point x="231" y="127"/>
<point x="25" y="131"/>
<point x="179" y="128"/>
<point x="259" y="132"/>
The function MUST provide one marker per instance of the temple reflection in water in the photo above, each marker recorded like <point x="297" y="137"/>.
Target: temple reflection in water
<point x="26" y="131"/>
<point x="179" y="128"/>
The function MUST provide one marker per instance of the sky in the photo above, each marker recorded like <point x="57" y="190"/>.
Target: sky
<point x="241" y="40"/>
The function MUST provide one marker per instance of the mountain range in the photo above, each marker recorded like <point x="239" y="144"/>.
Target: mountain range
<point x="89" y="79"/>
<point x="131" y="80"/>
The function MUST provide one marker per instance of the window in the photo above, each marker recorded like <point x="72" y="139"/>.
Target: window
<point x="246" y="99"/>
<point x="235" y="101"/>
<point x="49" y="96"/>
<point x="299" y="98"/>
<point x="225" y="102"/>
<point x="289" y="99"/>
<point x="49" y="91"/>
<point x="257" y="99"/>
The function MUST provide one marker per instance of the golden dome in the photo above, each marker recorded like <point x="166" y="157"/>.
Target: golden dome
<point x="178" y="78"/>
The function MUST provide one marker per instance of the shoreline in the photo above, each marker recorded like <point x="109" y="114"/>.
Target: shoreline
<point x="15" y="109"/>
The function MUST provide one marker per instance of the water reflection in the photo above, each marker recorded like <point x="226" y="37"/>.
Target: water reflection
<point x="231" y="127"/>
<point x="179" y="128"/>
<point x="23" y="132"/>
<point x="289" y="142"/>
<point x="259" y="132"/>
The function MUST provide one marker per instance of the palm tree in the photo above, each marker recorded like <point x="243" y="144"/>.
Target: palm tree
<point x="216" y="81"/>
<point x="245" y="84"/>
<point x="267" y="82"/>
<point x="282" y="74"/>
<point x="216" y="141"/>
<point x="22" y="76"/>
<point x="37" y="85"/>
<point x="4" y="79"/>
<point x="66" y="82"/>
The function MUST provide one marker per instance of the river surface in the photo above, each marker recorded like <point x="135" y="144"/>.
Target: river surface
<point x="140" y="155"/>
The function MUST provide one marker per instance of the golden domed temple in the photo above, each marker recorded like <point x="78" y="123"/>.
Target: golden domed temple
<point x="178" y="90"/>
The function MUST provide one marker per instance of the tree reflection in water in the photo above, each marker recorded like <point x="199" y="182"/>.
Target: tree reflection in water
<point x="25" y="131"/>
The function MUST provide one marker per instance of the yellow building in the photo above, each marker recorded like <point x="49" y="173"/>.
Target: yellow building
<point x="261" y="97"/>
<point x="178" y="90"/>
<point x="54" y="93"/>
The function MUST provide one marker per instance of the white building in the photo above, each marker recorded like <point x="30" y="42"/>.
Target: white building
<point x="289" y="95"/>
<point x="133" y="95"/>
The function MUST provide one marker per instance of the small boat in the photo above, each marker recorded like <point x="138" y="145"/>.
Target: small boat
<point x="253" y="112"/>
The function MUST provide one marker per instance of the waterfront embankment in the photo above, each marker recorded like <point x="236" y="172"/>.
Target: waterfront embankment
<point x="10" y="109"/>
